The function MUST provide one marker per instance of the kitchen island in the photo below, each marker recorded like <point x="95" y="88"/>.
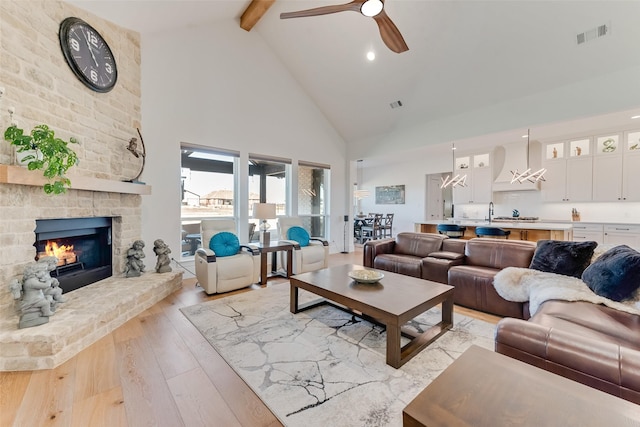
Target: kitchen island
<point x="520" y="230"/>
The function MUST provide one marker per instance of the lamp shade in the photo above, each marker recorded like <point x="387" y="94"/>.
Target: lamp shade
<point x="264" y="210"/>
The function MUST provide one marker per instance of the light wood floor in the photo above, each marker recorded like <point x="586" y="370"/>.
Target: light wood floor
<point x="155" y="370"/>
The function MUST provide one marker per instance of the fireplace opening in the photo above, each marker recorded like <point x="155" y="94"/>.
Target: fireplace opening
<point x="83" y="248"/>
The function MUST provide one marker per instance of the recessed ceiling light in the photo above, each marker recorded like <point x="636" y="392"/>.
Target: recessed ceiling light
<point x="635" y="117"/>
<point x="371" y="55"/>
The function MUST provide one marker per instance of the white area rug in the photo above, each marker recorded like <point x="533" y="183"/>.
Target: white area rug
<point x="324" y="367"/>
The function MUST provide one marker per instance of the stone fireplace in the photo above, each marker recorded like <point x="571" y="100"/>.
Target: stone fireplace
<point x="111" y="212"/>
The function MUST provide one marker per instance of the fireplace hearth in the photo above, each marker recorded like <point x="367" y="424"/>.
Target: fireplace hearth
<point x="83" y="247"/>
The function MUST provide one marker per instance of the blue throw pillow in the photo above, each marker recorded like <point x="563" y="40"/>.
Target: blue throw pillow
<point x="224" y="244"/>
<point x="298" y="234"/>
<point x="615" y="274"/>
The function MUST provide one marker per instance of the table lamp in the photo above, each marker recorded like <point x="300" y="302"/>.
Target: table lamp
<point x="264" y="211"/>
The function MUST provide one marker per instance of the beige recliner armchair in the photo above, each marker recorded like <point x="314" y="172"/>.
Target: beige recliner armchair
<point x="218" y="274"/>
<point x="305" y="258"/>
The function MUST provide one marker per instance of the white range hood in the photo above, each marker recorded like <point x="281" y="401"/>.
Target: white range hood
<point x="512" y="157"/>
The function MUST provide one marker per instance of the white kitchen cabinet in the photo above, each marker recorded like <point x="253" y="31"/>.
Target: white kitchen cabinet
<point x="630" y="185"/>
<point x="477" y="167"/>
<point x="622" y="234"/>
<point x="588" y="232"/>
<point x="569" y="176"/>
<point x="615" y="168"/>
<point x="607" y="178"/>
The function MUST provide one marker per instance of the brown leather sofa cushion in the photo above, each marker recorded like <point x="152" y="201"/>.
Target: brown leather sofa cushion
<point x="418" y="244"/>
<point x="401" y="264"/>
<point x="473" y="288"/>
<point x="589" y="343"/>
<point x="484" y="258"/>
<point x="499" y="254"/>
<point x="592" y="321"/>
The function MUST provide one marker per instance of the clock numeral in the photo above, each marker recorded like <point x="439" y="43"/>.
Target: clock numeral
<point x="93" y="75"/>
<point x="107" y="67"/>
<point x="75" y="45"/>
<point x="93" y="39"/>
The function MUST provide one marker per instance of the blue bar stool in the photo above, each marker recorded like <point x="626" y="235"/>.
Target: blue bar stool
<point x="492" y="232"/>
<point x="451" y="230"/>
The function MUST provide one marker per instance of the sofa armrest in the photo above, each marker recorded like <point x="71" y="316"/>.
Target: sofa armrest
<point x="446" y="255"/>
<point x="319" y="239"/>
<point x="296" y="245"/>
<point x="373" y="248"/>
<point x="599" y="364"/>
<point x="454" y="245"/>
<point x="207" y="254"/>
<point x="254" y="250"/>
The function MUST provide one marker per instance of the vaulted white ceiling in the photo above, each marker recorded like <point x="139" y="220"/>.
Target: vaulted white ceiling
<point x="464" y="55"/>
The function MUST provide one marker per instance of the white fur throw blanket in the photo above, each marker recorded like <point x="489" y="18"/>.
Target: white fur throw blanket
<point x="524" y="284"/>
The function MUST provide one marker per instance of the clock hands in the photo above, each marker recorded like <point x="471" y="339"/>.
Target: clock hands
<point x="86" y="39"/>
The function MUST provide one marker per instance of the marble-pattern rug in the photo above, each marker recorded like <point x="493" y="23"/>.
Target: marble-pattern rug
<point x="325" y="367"/>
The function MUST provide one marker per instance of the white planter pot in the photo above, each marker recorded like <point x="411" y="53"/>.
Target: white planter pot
<point x="21" y="155"/>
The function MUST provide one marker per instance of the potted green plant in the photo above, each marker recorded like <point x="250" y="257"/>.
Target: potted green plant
<point x="54" y="157"/>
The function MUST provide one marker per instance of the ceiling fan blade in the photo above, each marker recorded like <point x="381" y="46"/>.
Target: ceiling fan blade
<point x="390" y="34"/>
<point x="325" y="10"/>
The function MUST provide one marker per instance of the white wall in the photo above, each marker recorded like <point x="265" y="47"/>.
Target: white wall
<point x="219" y="86"/>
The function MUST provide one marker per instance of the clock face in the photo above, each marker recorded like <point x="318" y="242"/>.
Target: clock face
<point x="88" y="55"/>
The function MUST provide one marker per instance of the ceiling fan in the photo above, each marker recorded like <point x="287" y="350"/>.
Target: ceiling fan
<point x="371" y="8"/>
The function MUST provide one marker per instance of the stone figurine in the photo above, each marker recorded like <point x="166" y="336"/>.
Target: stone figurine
<point x="34" y="306"/>
<point x="54" y="291"/>
<point x="162" y="251"/>
<point x="134" y="266"/>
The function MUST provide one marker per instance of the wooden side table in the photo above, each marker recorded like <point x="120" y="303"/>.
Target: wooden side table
<point x="483" y="388"/>
<point x="273" y="248"/>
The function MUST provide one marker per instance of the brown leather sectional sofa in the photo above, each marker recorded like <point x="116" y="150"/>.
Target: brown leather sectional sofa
<point x="425" y="255"/>
<point x="589" y="343"/>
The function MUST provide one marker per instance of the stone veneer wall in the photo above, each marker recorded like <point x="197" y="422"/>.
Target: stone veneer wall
<point x="42" y="88"/>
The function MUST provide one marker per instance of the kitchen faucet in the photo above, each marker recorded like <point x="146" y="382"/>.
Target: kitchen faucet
<point x="490" y="211"/>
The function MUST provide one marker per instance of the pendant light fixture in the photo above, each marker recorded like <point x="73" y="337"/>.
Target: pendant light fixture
<point x="451" y="180"/>
<point x="527" y="175"/>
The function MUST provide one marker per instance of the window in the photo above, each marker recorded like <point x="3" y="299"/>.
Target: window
<point x="208" y="190"/>
<point x="313" y="197"/>
<point x="269" y="182"/>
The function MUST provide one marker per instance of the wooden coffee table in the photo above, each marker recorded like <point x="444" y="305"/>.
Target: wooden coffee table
<point x="393" y="301"/>
<point x="483" y="388"/>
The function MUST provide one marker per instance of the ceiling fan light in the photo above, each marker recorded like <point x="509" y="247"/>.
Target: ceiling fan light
<point x="371" y="8"/>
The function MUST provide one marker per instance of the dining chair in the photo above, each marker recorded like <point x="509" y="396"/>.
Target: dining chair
<point x="387" y="226"/>
<point x="372" y="230"/>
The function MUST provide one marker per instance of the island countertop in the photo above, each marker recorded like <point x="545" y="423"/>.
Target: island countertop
<point x="537" y="225"/>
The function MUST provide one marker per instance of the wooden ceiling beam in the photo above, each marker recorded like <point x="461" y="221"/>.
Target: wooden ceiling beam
<point x="254" y="12"/>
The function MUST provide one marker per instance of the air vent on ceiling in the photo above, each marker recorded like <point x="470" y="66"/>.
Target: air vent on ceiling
<point x="593" y="33"/>
<point x="396" y="104"/>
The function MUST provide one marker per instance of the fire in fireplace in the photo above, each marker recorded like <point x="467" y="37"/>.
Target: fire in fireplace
<point x="82" y="246"/>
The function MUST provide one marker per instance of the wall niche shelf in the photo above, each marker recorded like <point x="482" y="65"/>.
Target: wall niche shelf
<point x="22" y="176"/>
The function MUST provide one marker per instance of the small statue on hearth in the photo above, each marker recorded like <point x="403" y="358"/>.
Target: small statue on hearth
<point x="34" y="307"/>
<point x="162" y="251"/>
<point x="134" y="266"/>
<point x="54" y="292"/>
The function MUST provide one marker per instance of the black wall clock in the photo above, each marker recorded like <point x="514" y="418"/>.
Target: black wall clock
<point x="88" y="55"/>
